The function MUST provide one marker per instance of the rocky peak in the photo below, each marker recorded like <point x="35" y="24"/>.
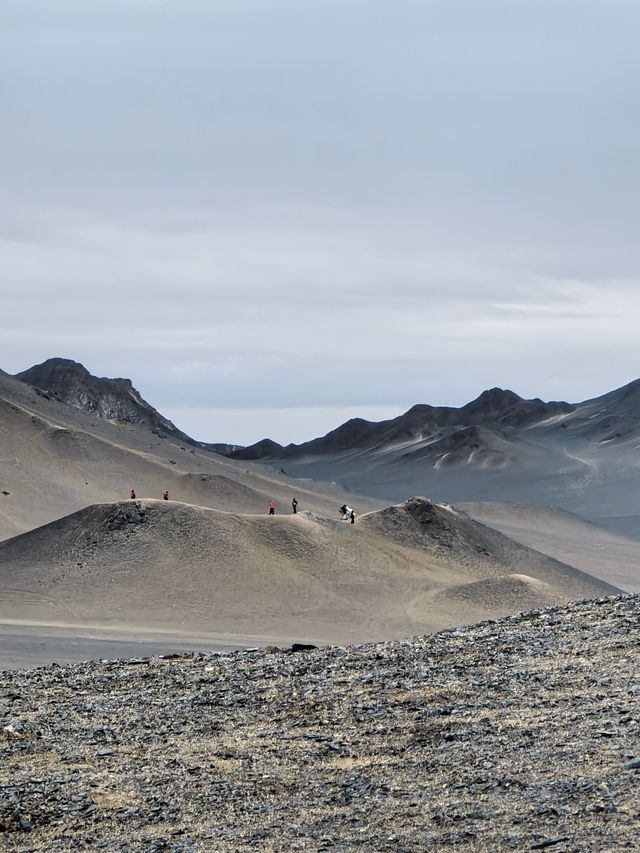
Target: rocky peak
<point x="493" y="401"/>
<point x="261" y="450"/>
<point x="71" y="383"/>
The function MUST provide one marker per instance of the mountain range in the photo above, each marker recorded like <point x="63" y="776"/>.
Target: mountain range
<point x="581" y="456"/>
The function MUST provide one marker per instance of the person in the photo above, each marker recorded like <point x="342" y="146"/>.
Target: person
<point x="165" y="496"/>
<point x="353" y="517"/>
<point x="294" y="504"/>
<point x="272" y="507"/>
<point x="133" y="494"/>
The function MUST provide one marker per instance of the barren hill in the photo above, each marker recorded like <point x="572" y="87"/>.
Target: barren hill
<point x="514" y="735"/>
<point x="155" y="565"/>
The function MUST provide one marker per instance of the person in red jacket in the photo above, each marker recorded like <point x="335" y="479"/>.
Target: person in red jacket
<point x="165" y="496"/>
<point x="272" y="507"/>
<point x="133" y="494"/>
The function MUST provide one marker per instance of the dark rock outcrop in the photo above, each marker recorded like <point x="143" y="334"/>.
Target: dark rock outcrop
<point x="112" y="399"/>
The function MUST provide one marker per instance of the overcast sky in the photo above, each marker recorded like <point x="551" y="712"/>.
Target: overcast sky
<point x="275" y="214"/>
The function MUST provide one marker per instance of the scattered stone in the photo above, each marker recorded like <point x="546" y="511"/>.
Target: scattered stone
<point x="444" y="742"/>
<point x="550" y="842"/>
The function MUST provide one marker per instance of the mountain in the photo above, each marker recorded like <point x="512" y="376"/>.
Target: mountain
<point x="112" y="399"/>
<point x="580" y="456"/>
<point x="153" y="565"/>
<point x="502" y="409"/>
<point x="58" y="456"/>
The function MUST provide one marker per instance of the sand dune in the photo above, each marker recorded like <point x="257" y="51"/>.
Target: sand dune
<point x="567" y="537"/>
<point x="174" y="567"/>
<point x="518" y="591"/>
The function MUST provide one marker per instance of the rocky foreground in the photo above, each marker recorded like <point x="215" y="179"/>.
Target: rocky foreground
<point x="520" y="734"/>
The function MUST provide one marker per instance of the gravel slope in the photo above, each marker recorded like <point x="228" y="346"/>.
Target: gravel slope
<point x="508" y="735"/>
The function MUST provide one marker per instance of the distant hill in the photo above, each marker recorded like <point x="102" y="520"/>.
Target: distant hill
<point x="581" y="456"/>
<point x="152" y="564"/>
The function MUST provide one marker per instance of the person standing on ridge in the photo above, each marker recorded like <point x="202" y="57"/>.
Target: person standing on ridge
<point x="353" y="517"/>
<point x="294" y="506"/>
<point x="133" y="494"/>
<point x="272" y="507"/>
<point x="165" y="496"/>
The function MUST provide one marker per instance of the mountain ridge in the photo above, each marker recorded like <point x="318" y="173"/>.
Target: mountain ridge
<point x="494" y="405"/>
<point x="500" y="446"/>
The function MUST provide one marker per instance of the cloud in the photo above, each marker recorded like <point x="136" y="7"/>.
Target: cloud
<point x="252" y="206"/>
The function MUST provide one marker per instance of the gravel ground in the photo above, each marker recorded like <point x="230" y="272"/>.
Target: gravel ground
<point x="517" y="734"/>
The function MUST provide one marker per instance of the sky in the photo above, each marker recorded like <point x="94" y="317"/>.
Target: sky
<point x="273" y="216"/>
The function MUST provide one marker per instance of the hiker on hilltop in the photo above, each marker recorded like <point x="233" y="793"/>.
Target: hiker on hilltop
<point x="294" y="506"/>
<point x="272" y="507"/>
<point x="353" y="517"/>
<point x="133" y="494"/>
<point x="165" y="496"/>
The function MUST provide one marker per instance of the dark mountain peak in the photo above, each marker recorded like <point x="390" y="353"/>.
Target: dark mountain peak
<point x="65" y="372"/>
<point x="418" y="409"/>
<point x="354" y="433"/>
<point x="70" y="382"/>
<point x="507" y="409"/>
<point x="352" y="427"/>
<point x="494" y="399"/>
<point x="260" y="450"/>
<point x="52" y="367"/>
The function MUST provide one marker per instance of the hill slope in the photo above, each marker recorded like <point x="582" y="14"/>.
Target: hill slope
<point x="566" y="537"/>
<point x="168" y="566"/>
